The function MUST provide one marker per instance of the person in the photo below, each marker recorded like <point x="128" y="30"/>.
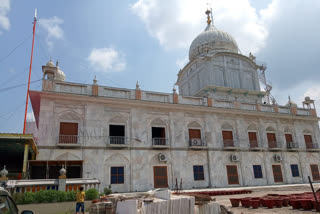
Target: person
<point x="80" y="200"/>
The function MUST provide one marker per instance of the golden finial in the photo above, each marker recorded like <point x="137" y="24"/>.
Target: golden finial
<point x="208" y="16"/>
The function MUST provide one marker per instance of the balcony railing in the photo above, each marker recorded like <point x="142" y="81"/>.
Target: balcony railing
<point x="312" y="146"/>
<point x="292" y="145"/>
<point x="117" y="140"/>
<point x="274" y="145"/>
<point x="229" y="143"/>
<point x="159" y="141"/>
<point x="254" y="144"/>
<point x="68" y="139"/>
<point x="196" y="142"/>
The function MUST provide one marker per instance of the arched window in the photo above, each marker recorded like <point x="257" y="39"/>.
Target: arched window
<point x="69" y="125"/>
<point x="307" y="134"/>
<point x="159" y="132"/>
<point x="227" y="135"/>
<point x="253" y="138"/>
<point x="117" y="131"/>
<point x="195" y="135"/>
<point x="272" y="139"/>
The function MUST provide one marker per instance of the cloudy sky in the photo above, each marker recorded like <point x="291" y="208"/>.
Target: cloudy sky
<point x="121" y="42"/>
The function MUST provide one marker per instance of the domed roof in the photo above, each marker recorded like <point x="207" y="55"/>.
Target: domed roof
<point x="60" y="76"/>
<point x="291" y="103"/>
<point x="212" y="40"/>
<point x="50" y="64"/>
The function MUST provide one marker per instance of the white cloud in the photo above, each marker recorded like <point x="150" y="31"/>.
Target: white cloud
<point x="107" y="59"/>
<point x="52" y="28"/>
<point x="30" y="117"/>
<point x="181" y="62"/>
<point x="176" y="23"/>
<point x="4" y="10"/>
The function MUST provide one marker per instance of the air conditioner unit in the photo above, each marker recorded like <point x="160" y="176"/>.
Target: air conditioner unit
<point x="277" y="158"/>
<point x="162" y="157"/>
<point x="234" y="158"/>
<point x="195" y="142"/>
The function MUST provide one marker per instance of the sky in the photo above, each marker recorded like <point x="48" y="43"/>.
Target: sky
<point x="121" y="42"/>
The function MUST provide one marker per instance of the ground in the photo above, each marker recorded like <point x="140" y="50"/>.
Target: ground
<point x="69" y="207"/>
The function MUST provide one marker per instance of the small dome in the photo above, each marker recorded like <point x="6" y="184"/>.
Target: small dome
<point x="212" y="40"/>
<point x="60" y="76"/>
<point x="50" y="64"/>
<point x="291" y="103"/>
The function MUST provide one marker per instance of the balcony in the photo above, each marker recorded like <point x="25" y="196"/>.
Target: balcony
<point x="292" y="146"/>
<point x="230" y="145"/>
<point x="117" y="141"/>
<point x="255" y="145"/>
<point x="312" y="146"/>
<point x="69" y="140"/>
<point x="274" y="145"/>
<point x="160" y="142"/>
<point x="196" y="143"/>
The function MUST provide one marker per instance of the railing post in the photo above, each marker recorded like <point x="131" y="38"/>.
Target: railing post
<point x="62" y="179"/>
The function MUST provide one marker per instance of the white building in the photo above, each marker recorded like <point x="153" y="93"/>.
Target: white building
<point x="216" y="133"/>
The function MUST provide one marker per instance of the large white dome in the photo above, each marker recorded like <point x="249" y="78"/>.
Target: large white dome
<point x="212" y="40"/>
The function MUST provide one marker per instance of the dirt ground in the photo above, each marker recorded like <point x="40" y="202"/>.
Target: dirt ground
<point x="53" y="208"/>
<point x="69" y="207"/>
<point x="257" y="192"/>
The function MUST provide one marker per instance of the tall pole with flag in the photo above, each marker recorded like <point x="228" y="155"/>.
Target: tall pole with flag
<point x="27" y="99"/>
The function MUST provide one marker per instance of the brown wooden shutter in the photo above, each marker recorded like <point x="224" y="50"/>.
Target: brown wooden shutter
<point x="194" y="134"/>
<point x="160" y="176"/>
<point x="68" y="133"/>
<point x="68" y="128"/>
<point x="315" y="172"/>
<point x="232" y="173"/>
<point x="271" y="137"/>
<point x="288" y="138"/>
<point x="253" y="139"/>
<point x="277" y="173"/>
<point x="308" y="141"/>
<point x="227" y="135"/>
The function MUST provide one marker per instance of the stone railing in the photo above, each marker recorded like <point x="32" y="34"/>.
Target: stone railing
<point x="134" y="94"/>
<point x="248" y="106"/>
<point x="35" y="185"/>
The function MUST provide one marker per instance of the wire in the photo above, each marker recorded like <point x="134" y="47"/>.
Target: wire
<point x="17" y="86"/>
<point x="11" y="52"/>
<point x="13" y="77"/>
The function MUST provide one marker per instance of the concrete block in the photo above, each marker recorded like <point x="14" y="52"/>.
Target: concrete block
<point x="163" y="194"/>
<point x="127" y="207"/>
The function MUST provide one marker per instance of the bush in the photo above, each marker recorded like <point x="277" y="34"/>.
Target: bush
<point x="61" y="196"/>
<point x="28" y="198"/>
<point x="71" y="196"/>
<point x="107" y="191"/>
<point x="18" y="197"/>
<point x="92" y="194"/>
<point x="46" y="196"/>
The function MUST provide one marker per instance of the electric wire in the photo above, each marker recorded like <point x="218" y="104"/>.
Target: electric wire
<point x="15" y="48"/>
<point x="17" y="86"/>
